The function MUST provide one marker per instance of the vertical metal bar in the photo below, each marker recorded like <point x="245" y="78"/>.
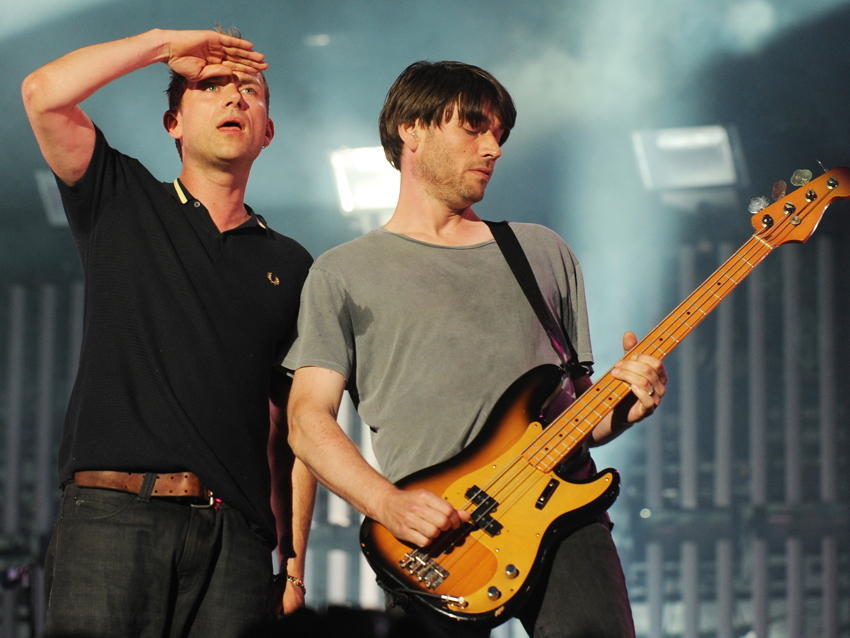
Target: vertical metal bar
<point x="339" y="511"/>
<point x="725" y="588"/>
<point x="828" y="427"/>
<point x="75" y="332"/>
<point x="690" y="392"/>
<point x="655" y="589"/>
<point x="9" y="617"/>
<point x="313" y="593"/>
<point x="366" y="445"/>
<point x="829" y="585"/>
<point x="37" y="602"/>
<point x="791" y="372"/>
<point x="794" y="587"/>
<point x="13" y="427"/>
<point x="723" y="395"/>
<point x="45" y="481"/>
<point x="338" y="561"/>
<point x="690" y="589"/>
<point x="370" y="595"/>
<point x="757" y="383"/>
<point x="826" y="371"/>
<point x="761" y="589"/>
<point x="14" y="410"/>
<point x="654" y="464"/>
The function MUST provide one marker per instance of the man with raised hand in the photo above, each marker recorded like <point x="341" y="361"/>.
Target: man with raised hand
<point x="175" y="427"/>
<point x="425" y="324"/>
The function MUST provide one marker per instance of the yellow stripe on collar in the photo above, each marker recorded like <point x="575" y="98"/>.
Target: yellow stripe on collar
<point x="180" y="193"/>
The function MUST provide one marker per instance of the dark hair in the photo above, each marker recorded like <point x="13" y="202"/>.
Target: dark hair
<point x="177" y="84"/>
<point x="430" y="91"/>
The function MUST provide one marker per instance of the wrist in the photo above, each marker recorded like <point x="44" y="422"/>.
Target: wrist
<point x="294" y="580"/>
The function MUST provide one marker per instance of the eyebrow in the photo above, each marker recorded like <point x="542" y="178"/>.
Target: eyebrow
<point x="245" y="78"/>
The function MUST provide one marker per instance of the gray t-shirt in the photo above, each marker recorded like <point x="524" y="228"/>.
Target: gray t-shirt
<point x="431" y="336"/>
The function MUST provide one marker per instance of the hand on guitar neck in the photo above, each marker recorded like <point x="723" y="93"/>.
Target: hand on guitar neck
<point x="647" y="379"/>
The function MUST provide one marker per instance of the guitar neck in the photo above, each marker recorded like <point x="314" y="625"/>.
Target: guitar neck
<point x="574" y="425"/>
<point x="792" y="219"/>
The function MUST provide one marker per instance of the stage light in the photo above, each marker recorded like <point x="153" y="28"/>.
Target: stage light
<point x="690" y="166"/>
<point x="367" y="185"/>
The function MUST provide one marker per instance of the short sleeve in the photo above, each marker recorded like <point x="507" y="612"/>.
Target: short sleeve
<point x="324" y="333"/>
<point x="99" y="186"/>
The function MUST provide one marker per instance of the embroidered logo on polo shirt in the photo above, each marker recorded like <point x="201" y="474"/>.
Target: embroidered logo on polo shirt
<point x="273" y="279"/>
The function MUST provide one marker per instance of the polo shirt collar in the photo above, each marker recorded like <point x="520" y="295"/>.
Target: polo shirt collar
<point x="199" y="217"/>
<point x="182" y="195"/>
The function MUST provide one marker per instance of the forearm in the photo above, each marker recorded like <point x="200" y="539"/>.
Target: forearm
<point x="608" y="429"/>
<point x="303" y="500"/>
<point x="62" y="84"/>
<point x="330" y="455"/>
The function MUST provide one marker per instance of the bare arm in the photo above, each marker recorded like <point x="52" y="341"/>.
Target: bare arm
<point x="316" y="438"/>
<point x="53" y="93"/>
<point x="293" y="498"/>
<point x="646" y="376"/>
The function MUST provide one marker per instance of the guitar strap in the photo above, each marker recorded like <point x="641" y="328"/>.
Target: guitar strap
<point x="515" y="256"/>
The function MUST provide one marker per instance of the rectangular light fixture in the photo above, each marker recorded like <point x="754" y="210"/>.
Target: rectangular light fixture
<point x="365" y="180"/>
<point x="677" y="158"/>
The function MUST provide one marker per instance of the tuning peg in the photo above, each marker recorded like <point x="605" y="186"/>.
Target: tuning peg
<point x="779" y="190"/>
<point x="801" y="176"/>
<point x="757" y="204"/>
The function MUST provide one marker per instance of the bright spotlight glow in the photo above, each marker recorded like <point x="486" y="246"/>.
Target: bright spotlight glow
<point x="318" y="40"/>
<point x="365" y="180"/>
<point x="696" y="157"/>
<point x="645" y="512"/>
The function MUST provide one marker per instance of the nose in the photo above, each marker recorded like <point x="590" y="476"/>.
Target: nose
<point x="231" y="95"/>
<point x="490" y="145"/>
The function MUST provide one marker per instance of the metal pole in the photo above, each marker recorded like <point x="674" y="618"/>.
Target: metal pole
<point x="688" y="460"/>
<point x="757" y="395"/>
<point x="655" y="589"/>
<point x="791" y="373"/>
<point x="724" y="395"/>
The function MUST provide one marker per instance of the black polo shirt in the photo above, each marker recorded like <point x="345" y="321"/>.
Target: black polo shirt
<point x="182" y="327"/>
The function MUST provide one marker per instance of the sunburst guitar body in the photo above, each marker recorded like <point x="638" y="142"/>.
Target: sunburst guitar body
<point x="483" y="572"/>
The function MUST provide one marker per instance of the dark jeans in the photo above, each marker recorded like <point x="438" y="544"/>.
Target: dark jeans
<point x="122" y="567"/>
<point x="583" y="595"/>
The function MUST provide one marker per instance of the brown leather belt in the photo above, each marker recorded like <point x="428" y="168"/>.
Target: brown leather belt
<point x="177" y="485"/>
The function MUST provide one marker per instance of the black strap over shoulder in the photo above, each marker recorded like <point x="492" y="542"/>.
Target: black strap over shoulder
<point x="515" y="256"/>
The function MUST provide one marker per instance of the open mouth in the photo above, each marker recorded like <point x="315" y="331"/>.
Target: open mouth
<point x="231" y="124"/>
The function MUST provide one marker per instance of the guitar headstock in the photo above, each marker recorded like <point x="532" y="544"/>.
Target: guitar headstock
<point x="796" y="216"/>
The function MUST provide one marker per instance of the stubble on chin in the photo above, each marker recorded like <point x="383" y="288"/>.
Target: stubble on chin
<point x="446" y="184"/>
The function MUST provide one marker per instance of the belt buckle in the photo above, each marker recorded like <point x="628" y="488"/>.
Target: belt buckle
<point x="212" y="504"/>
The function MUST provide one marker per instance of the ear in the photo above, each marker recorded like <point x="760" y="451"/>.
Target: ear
<point x="269" y="132"/>
<point x="411" y="134"/>
<point x="172" y="124"/>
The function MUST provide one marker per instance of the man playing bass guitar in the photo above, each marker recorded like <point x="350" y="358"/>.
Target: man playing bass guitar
<point x="424" y="323"/>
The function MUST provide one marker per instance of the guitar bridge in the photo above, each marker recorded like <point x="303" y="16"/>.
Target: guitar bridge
<point x="424" y="568"/>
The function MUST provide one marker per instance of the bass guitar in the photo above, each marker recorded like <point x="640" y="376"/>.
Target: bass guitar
<point x="481" y="573"/>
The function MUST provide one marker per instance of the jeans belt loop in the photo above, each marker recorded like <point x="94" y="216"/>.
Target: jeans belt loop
<point x="147" y="487"/>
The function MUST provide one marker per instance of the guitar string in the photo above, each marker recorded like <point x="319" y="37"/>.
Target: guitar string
<point x="519" y="464"/>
